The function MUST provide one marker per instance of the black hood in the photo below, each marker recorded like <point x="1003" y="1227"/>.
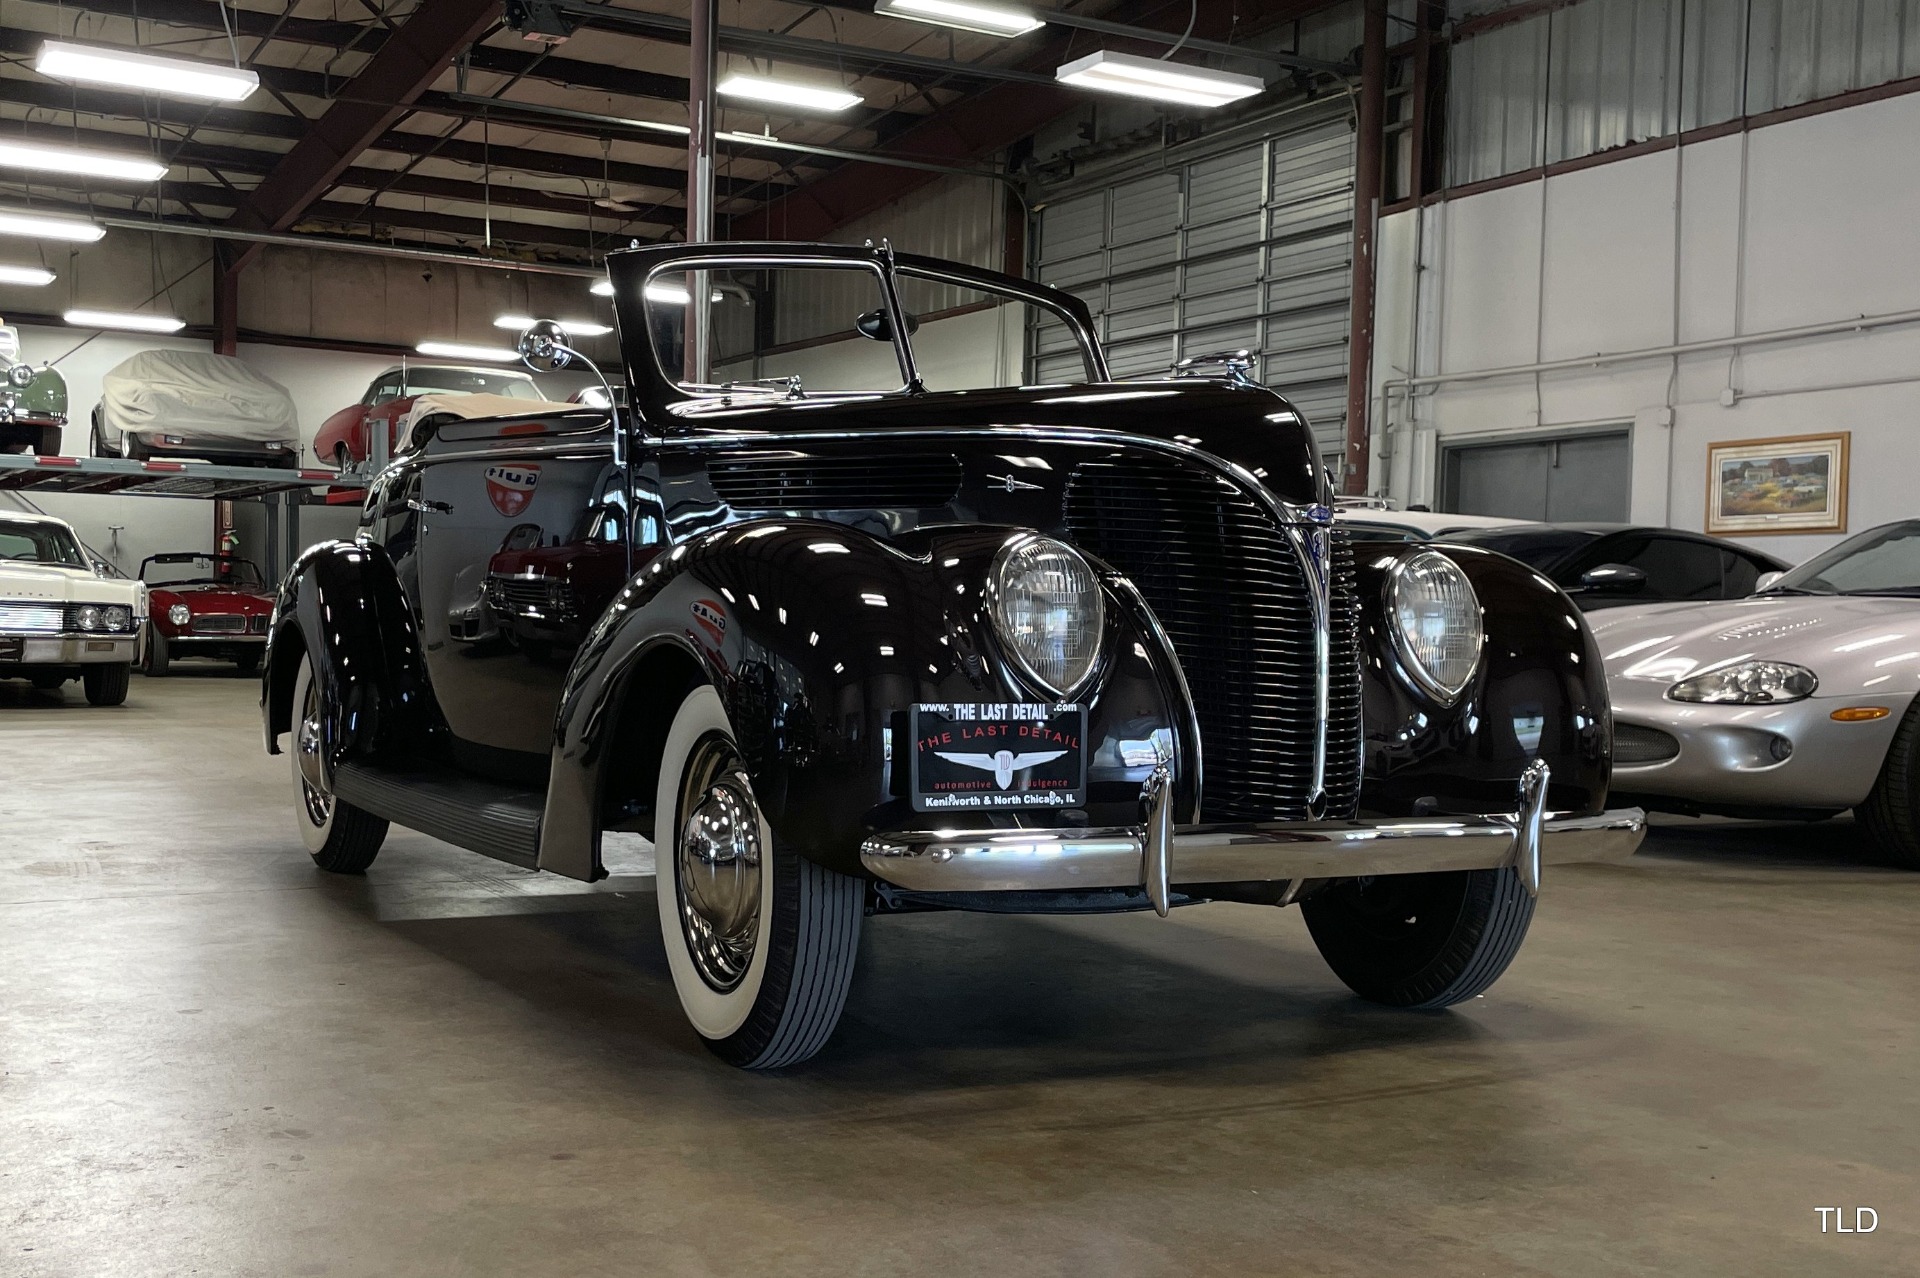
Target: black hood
<point x="1249" y="426"/>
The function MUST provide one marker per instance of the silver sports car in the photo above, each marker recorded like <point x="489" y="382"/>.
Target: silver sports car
<point x="1797" y="701"/>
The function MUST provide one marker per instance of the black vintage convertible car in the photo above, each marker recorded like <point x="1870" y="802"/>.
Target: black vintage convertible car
<point x="848" y="628"/>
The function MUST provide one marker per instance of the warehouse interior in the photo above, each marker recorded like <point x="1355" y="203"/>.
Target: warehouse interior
<point x="1619" y="298"/>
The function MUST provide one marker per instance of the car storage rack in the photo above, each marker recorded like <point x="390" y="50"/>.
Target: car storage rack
<point x="162" y="478"/>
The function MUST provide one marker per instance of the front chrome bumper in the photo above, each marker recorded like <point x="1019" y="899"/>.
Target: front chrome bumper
<point x="1157" y="856"/>
<point x="77" y="649"/>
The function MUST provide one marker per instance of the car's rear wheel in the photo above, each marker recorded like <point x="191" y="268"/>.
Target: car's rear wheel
<point x="761" y="942"/>
<point x="159" y="656"/>
<point x="1891" y="813"/>
<point x="341" y="838"/>
<point x="106" y="684"/>
<point x="1420" y="940"/>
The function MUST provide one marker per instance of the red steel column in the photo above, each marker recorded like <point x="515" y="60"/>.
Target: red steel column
<point x="1366" y="209"/>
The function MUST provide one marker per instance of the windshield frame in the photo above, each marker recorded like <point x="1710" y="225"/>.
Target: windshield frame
<point x="651" y="385"/>
<point x="60" y="533"/>
<point x="1791" y="581"/>
<point x="214" y="559"/>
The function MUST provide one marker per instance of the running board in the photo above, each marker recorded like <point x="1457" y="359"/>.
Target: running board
<point x="499" y="821"/>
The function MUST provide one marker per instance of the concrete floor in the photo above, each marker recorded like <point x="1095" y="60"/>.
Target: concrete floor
<point x="220" y="1061"/>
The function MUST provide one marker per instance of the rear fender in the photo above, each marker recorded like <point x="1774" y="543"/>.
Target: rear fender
<point x="341" y="607"/>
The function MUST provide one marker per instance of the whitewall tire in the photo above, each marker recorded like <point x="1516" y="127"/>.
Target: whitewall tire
<point x="760" y="941"/>
<point x="341" y="838"/>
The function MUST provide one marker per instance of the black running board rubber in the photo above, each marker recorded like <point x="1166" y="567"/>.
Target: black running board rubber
<point x="499" y="821"/>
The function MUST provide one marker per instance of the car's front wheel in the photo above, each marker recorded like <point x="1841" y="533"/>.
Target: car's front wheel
<point x="341" y="838"/>
<point x="761" y="942"/>
<point x="106" y="683"/>
<point x="159" y="656"/>
<point x="1420" y="940"/>
<point x="1891" y="813"/>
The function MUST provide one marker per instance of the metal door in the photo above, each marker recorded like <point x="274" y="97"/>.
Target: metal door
<point x="1577" y="479"/>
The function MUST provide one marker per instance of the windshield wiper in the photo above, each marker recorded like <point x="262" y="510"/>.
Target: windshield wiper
<point x="790" y="383"/>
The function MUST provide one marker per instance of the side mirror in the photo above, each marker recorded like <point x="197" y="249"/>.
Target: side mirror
<point x="878" y="325"/>
<point x="544" y="347"/>
<point x="1765" y="580"/>
<point x="1612" y="579"/>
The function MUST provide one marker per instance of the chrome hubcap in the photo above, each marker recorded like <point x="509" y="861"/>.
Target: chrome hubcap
<point x="307" y="740"/>
<point x="717" y="865"/>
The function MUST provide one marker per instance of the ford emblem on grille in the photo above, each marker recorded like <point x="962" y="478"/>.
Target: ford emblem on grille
<point x="1319" y="514"/>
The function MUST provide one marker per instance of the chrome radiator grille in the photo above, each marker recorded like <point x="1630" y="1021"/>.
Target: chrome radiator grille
<point x="32" y="617"/>
<point x="533" y="600"/>
<point x="219" y="623"/>
<point x="1224" y="581"/>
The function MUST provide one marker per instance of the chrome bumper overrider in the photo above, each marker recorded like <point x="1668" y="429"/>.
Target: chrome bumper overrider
<point x="1156" y="856"/>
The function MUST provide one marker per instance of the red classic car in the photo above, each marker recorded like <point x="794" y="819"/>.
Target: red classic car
<point x="346" y="437"/>
<point x="205" y="605"/>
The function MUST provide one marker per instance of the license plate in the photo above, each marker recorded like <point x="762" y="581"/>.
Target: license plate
<point x="12" y="649"/>
<point x="992" y="757"/>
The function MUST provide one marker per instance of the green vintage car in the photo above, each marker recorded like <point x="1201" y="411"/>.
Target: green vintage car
<point x="33" y="401"/>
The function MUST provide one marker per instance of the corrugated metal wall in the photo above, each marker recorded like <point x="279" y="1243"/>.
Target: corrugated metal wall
<point x="1602" y="73"/>
<point x="1247" y="247"/>
<point x="959" y="219"/>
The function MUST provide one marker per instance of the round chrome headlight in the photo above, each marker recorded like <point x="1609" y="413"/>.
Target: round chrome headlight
<point x="1434" y="618"/>
<point x="1046" y="608"/>
<point x="87" y="618"/>
<point x="21" y="375"/>
<point x="179" y="614"/>
<point x="1749" y="683"/>
<point x="118" y="617"/>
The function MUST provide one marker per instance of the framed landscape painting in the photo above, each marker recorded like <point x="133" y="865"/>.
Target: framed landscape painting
<point x="1794" y="484"/>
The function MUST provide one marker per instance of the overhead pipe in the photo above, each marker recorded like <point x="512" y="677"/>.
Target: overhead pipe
<point x="287" y="239"/>
<point x="725" y="138"/>
<point x="1827" y="328"/>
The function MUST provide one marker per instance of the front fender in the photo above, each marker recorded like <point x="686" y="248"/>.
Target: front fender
<point x="818" y="638"/>
<point x="341" y="607"/>
<point x="1540" y="692"/>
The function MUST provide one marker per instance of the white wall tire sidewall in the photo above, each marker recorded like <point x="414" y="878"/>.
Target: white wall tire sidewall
<point x="313" y="836"/>
<point x="714" y="1014"/>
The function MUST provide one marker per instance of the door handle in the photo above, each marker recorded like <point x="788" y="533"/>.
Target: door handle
<point x="427" y="506"/>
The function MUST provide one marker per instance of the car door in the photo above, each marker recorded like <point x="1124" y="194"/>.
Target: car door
<point x="483" y="494"/>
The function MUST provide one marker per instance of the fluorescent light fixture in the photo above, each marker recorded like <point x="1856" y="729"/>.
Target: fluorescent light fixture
<point x="31" y="276"/>
<point x="15" y="154"/>
<point x="40" y="226"/>
<point x="985" y="19"/>
<point x="670" y="294"/>
<point x="460" y="350"/>
<point x="1156" y="80"/>
<point x="757" y="88"/>
<point x="602" y="288"/>
<point x="127" y="320"/>
<point x="123" y="69"/>
<point x="575" y="328"/>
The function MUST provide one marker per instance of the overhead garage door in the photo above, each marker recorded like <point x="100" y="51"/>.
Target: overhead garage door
<point x="1583" y="477"/>
<point x="1249" y="247"/>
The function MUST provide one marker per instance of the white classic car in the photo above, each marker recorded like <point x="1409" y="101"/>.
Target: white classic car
<point x="1796" y="702"/>
<point x="60" y="619"/>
